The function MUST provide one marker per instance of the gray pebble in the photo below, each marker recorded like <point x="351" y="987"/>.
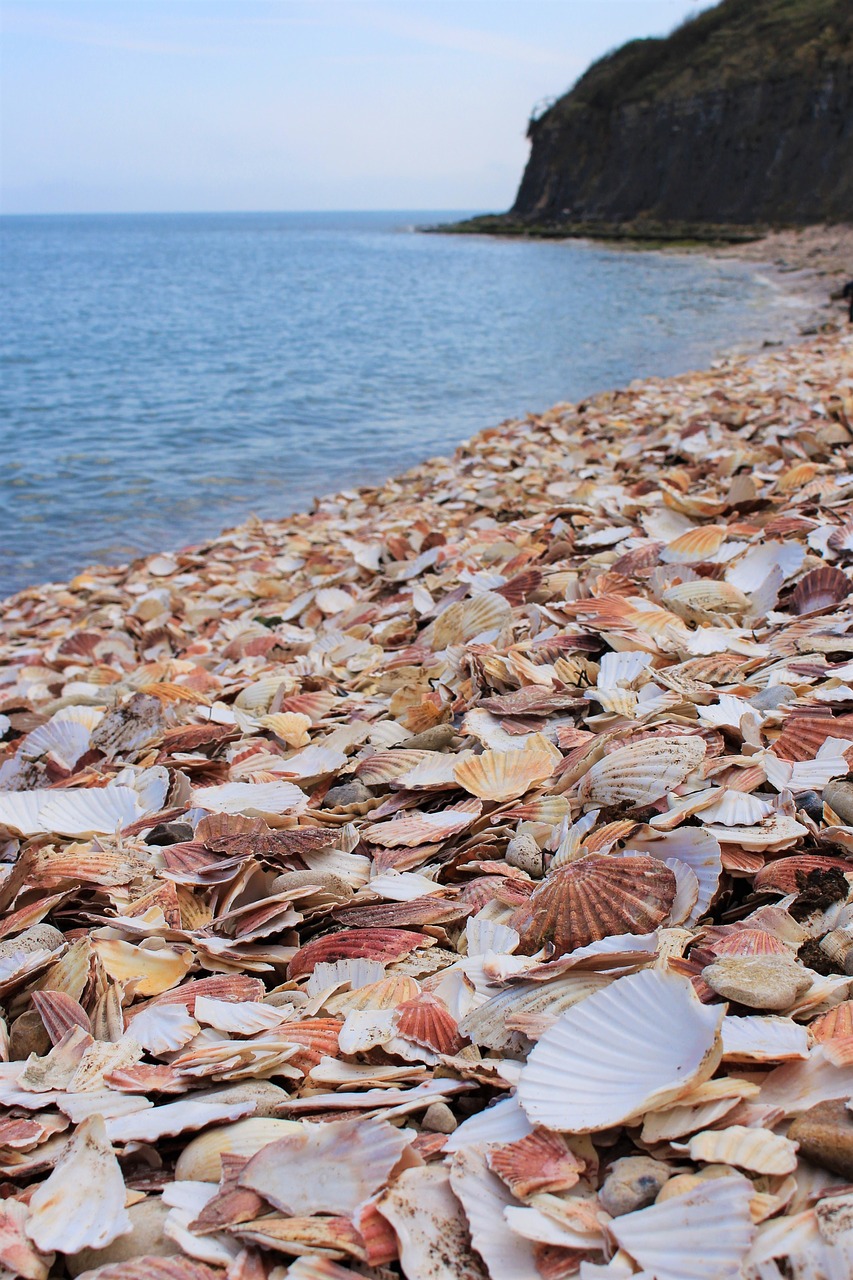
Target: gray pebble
<point x="775" y="695"/>
<point x="523" y="852"/>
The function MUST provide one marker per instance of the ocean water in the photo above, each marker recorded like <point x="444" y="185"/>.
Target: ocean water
<point x="162" y="376"/>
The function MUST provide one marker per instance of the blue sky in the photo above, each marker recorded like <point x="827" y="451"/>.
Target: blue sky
<point x="146" y="105"/>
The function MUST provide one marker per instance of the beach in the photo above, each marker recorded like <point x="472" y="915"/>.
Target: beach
<point x="449" y="876"/>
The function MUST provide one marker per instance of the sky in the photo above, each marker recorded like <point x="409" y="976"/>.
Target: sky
<point x="202" y="105"/>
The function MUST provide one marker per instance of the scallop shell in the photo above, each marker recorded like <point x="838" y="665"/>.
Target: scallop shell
<point x="422" y="828"/>
<point x="757" y="1150"/>
<point x="81" y="1204"/>
<point x="792" y="875"/>
<point x="695" y="847"/>
<point x="325" y="1168"/>
<point x="426" y="1021"/>
<point x="540" y="1162"/>
<point x="200" y="1160"/>
<point x="383" y="945"/>
<point x="763" y="1039"/>
<point x="705" y="596"/>
<point x="745" y="941"/>
<point x="641" y="773"/>
<point x="231" y="986"/>
<point x="596" y="897"/>
<point x="836" y="1024"/>
<point x="65" y="736"/>
<point x="702" y="1235"/>
<point x="253" y="799"/>
<point x="695" y="545"/>
<point x="465" y="620"/>
<point x="820" y="589"/>
<point x="638" y="1044"/>
<point x="484" y="1198"/>
<point x="804" y="734"/>
<point x="507" y="775"/>
<point x="736" y="809"/>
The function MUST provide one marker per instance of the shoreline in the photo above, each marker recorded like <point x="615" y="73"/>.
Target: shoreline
<point x="804" y="266"/>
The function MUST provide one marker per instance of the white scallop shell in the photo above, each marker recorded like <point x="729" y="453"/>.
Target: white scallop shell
<point x="755" y="1149"/>
<point x="173" y="1118"/>
<point x="736" y="808"/>
<point x="485" y="1198"/>
<point x="330" y="1167"/>
<point x="503" y="1122"/>
<point x="620" y="670"/>
<point x="702" y="1235"/>
<point x="484" y="934"/>
<point x="65" y="736"/>
<point x="81" y="1204"/>
<point x="763" y="1039"/>
<point x="255" y="799"/>
<point x="686" y="891"/>
<point x="430" y="1226"/>
<point x="200" y="1159"/>
<point x="643" y="772"/>
<point x="636" y="1045"/>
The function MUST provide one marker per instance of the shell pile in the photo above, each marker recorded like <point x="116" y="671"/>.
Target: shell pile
<point x="454" y="881"/>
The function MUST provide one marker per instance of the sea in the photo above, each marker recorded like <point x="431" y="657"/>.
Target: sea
<point x="162" y="377"/>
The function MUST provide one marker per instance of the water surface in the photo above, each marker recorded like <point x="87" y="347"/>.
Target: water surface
<point x="162" y="376"/>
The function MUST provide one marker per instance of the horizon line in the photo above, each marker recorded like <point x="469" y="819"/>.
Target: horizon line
<point x="189" y="213"/>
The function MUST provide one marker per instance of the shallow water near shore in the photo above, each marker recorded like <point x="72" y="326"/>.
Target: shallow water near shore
<point x="165" y="375"/>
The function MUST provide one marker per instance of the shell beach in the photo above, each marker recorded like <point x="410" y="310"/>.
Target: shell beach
<point x="455" y="881"/>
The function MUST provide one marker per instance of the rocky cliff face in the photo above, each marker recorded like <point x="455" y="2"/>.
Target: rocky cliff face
<point x="744" y="116"/>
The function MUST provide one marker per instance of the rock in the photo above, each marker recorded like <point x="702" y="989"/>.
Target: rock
<point x="759" y="982"/>
<point x="166" y="833"/>
<point x="839" y="796"/>
<point x="775" y="695"/>
<point x="146" y="1239"/>
<point x="434" y="739"/>
<point x="825" y="1135"/>
<point x="632" y="1183"/>
<point x="811" y="803"/>
<point x="324" y="879"/>
<point x="354" y="792"/>
<point x="27" y="1035"/>
<point x="523" y="852"/>
<point x="40" y="937"/>
<point x="438" y="1118"/>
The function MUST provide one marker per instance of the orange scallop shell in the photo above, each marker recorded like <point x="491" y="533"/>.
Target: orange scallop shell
<point x="318" y="1038"/>
<point x="837" y="1024"/>
<point x="748" y="942"/>
<point x="385" y="945"/>
<point x="426" y="1021"/>
<point x="595" y="898"/>
<point x="229" y="986"/>
<point x="60" y="1013"/>
<point x="539" y="1162"/>
<point x="791" y="875"/>
<point x="806" y="732"/>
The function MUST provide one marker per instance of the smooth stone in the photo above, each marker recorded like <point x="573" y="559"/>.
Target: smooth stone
<point x="839" y="796"/>
<point x="299" y="879"/>
<point x="632" y="1183"/>
<point x="39" y="937"/>
<point x="166" y="833"/>
<point x="434" y="739"/>
<point x="811" y="803"/>
<point x="825" y="1135"/>
<point x="27" y="1035"/>
<point x="759" y="982"/>
<point x="347" y="793"/>
<point x="775" y="695"/>
<point x="146" y="1239"/>
<point x="438" y="1118"/>
<point x="524" y="853"/>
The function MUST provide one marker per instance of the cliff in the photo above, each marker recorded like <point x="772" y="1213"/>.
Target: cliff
<point x="742" y="117"/>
